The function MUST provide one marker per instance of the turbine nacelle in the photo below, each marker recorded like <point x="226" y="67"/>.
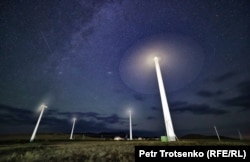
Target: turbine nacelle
<point x="44" y="106"/>
<point x="156" y="58"/>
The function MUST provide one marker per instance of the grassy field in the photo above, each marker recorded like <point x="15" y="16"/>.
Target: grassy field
<point x="55" y="148"/>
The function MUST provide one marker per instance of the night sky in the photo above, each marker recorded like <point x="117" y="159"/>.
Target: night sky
<point x="93" y="60"/>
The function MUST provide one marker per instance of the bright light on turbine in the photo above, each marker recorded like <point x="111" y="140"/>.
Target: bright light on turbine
<point x="181" y="62"/>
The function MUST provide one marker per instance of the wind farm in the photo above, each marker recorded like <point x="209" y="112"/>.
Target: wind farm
<point x="90" y="80"/>
<point x="105" y="146"/>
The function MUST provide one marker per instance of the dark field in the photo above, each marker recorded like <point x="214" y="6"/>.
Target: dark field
<point x="52" y="148"/>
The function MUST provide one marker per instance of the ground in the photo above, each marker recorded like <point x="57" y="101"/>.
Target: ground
<point x="57" y="148"/>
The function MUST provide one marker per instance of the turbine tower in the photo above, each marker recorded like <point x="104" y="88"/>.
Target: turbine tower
<point x="166" y="112"/>
<point x="240" y="135"/>
<point x="217" y="133"/>
<point x="130" y="125"/>
<point x="71" y="135"/>
<point x="37" y="124"/>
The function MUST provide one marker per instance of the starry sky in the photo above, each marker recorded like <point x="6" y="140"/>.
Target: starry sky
<point x="93" y="60"/>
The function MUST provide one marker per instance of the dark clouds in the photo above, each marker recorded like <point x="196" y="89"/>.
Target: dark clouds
<point x="242" y="100"/>
<point x="59" y="121"/>
<point x="225" y="77"/>
<point x="154" y="108"/>
<point x="139" y="97"/>
<point x="205" y="93"/>
<point x="151" y="118"/>
<point x="83" y="114"/>
<point x="10" y="114"/>
<point x="114" y="118"/>
<point x="201" y="109"/>
<point x="196" y="109"/>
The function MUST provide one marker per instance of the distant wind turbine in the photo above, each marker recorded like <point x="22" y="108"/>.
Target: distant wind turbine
<point x="71" y="135"/>
<point x="217" y="133"/>
<point x="240" y="135"/>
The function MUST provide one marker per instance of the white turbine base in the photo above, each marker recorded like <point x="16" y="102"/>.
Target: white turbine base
<point x="171" y="138"/>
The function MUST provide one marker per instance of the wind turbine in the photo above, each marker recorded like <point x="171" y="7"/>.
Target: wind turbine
<point x="71" y="135"/>
<point x="130" y="125"/>
<point x="42" y="107"/>
<point x="166" y="113"/>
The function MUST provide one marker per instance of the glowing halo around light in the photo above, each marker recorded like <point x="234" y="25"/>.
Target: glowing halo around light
<point x="181" y="60"/>
<point x="46" y="100"/>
